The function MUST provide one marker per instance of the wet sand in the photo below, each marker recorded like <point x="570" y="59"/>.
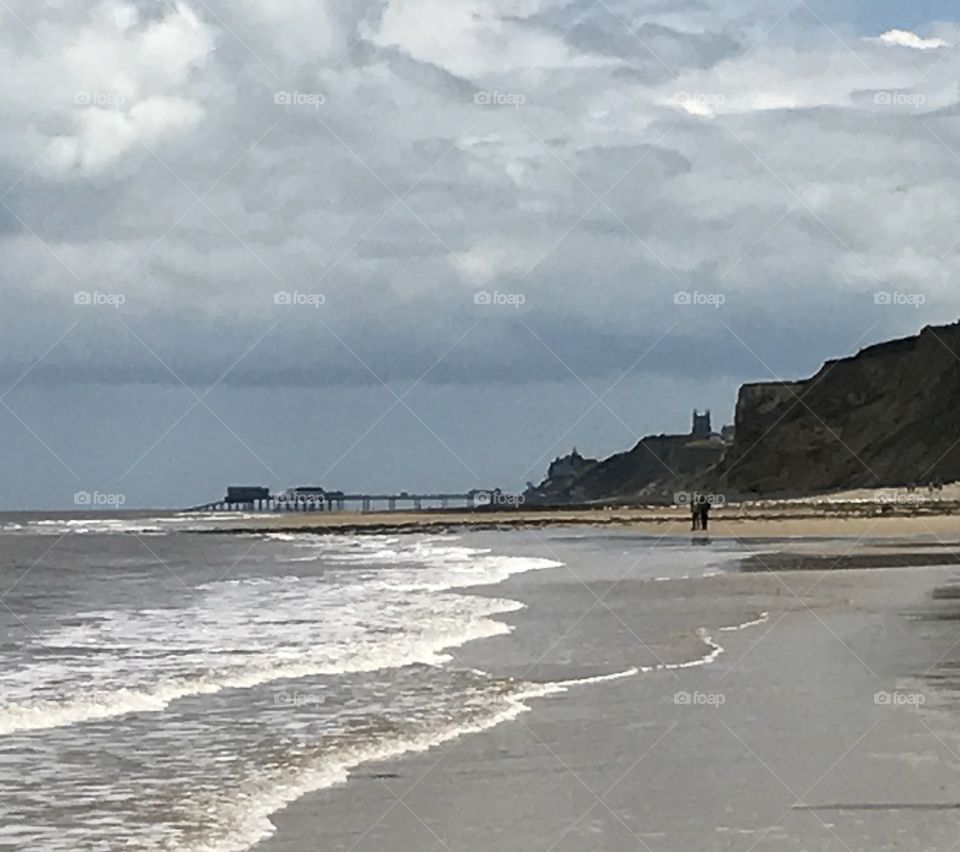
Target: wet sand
<point x="827" y="721"/>
<point x="784" y="520"/>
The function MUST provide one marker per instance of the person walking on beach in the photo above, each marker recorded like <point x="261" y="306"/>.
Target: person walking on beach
<point x="694" y="514"/>
<point x="704" y="514"/>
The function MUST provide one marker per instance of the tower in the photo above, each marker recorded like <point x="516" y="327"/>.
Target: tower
<point x="701" y="424"/>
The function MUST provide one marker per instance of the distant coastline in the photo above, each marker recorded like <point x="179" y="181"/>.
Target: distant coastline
<point x="881" y="513"/>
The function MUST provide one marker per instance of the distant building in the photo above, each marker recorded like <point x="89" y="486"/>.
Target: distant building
<point x="701" y="424"/>
<point x="727" y="433"/>
<point x="246" y="493"/>
<point x="569" y="465"/>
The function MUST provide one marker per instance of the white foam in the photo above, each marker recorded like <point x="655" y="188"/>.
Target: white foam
<point x="241" y="634"/>
<point x="244" y="820"/>
<point x="761" y="619"/>
<point x="158" y="525"/>
<point x="587" y="681"/>
<point x="95" y="706"/>
<point x="715" y="651"/>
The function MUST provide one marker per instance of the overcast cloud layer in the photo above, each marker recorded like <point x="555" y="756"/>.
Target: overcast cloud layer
<point x="482" y="194"/>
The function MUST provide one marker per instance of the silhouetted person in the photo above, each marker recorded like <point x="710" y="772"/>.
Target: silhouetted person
<point x="695" y="514"/>
<point x="703" y="510"/>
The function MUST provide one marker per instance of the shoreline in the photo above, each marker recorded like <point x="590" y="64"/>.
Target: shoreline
<point x="805" y="666"/>
<point x="734" y="522"/>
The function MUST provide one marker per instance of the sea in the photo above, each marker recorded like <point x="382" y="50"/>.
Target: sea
<point x="167" y="686"/>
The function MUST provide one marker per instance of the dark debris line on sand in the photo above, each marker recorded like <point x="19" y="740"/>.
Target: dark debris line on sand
<point x="883" y="806"/>
<point x="826" y="562"/>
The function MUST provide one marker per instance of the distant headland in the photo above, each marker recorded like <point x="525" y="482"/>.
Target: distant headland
<point x="881" y="418"/>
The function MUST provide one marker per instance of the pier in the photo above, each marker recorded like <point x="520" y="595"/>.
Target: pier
<point x="316" y="499"/>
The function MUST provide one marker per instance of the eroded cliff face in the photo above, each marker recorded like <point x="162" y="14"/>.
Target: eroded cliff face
<point x="656" y="468"/>
<point x="889" y="415"/>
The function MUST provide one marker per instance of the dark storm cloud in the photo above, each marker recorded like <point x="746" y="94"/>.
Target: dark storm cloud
<point x="594" y="161"/>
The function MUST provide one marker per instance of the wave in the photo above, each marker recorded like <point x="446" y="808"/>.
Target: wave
<point x="93" y="706"/>
<point x="154" y="525"/>
<point x="587" y="681"/>
<point x="761" y="619"/>
<point x="392" y="620"/>
<point x="243" y="820"/>
<point x="716" y="649"/>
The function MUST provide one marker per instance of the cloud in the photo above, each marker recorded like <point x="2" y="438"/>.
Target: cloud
<point x="92" y="84"/>
<point x="904" y="38"/>
<point x="656" y="148"/>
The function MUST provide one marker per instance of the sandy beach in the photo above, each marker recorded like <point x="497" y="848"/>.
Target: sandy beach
<point x="608" y="687"/>
<point x="835" y="518"/>
<point x="728" y="711"/>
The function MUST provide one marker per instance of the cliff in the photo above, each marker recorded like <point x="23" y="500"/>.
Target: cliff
<point x="886" y="416"/>
<point x="654" y="469"/>
<point x="561" y="477"/>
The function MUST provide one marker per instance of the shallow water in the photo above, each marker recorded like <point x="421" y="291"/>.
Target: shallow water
<point x="172" y="690"/>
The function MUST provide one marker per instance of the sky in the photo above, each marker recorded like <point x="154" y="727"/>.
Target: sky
<point x="430" y="245"/>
